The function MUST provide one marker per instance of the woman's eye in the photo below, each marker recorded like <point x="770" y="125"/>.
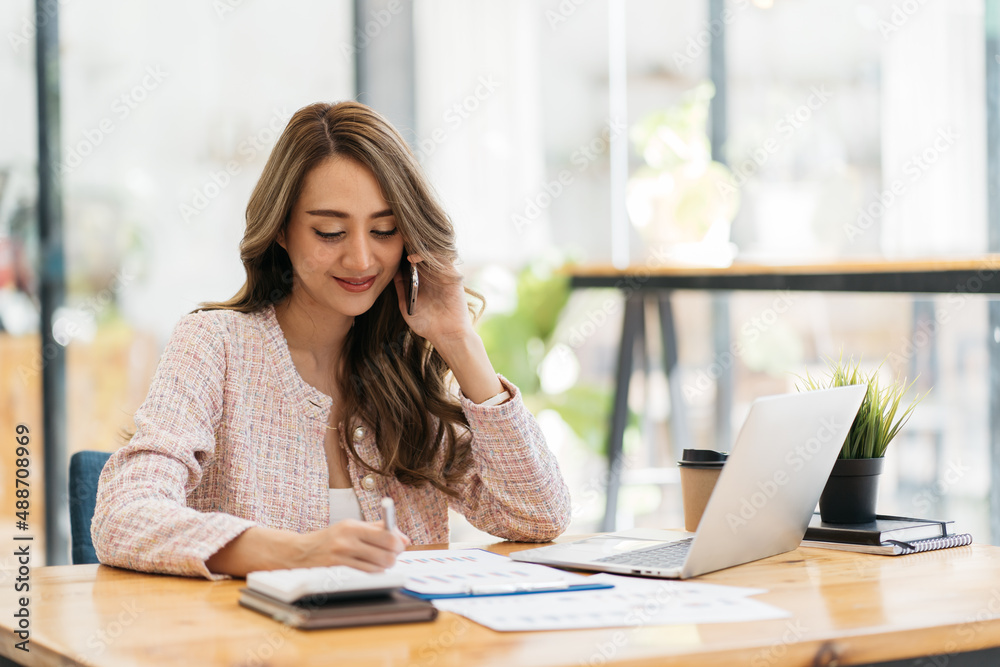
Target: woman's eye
<point x="333" y="236"/>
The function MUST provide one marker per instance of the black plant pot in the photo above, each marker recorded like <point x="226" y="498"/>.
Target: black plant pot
<point x="851" y="492"/>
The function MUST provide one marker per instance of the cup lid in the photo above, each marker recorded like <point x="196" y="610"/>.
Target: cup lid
<point x="703" y="457"/>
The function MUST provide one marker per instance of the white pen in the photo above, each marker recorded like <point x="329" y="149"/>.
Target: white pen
<point x="389" y="514"/>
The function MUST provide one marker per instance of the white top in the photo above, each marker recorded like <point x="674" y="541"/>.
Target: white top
<point x="344" y="505"/>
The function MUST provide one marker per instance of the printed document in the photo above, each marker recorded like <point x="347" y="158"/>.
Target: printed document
<point x="633" y="601"/>
<point x="464" y="572"/>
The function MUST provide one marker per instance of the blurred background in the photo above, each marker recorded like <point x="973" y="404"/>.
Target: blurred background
<point x="555" y="132"/>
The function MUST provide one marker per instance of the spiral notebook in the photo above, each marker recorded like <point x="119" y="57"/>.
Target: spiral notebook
<point x="895" y="547"/>
<point x="887" y="536"/>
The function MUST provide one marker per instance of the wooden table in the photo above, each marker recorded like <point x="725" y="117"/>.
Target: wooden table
<point x="847" y="609"/>
<point x="655" y="280"/>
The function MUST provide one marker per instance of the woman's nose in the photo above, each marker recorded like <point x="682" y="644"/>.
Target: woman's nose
<point x="358" y="254"/>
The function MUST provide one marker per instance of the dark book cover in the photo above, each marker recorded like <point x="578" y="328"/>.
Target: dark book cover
<point x="395" y="607"/>
<point x="883" y="529"/>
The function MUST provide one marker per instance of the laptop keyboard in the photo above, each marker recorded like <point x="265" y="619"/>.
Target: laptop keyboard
<point x="667" y="555"/>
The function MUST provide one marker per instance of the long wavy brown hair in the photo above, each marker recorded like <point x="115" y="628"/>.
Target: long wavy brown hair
<point x="393" y="380"/>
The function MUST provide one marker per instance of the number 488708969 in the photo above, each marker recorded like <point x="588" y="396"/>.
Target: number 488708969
<point x="21" y="475"/>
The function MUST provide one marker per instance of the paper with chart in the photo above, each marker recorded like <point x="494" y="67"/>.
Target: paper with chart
<point x="462" y="572"/>
<point x="632" y="602"/>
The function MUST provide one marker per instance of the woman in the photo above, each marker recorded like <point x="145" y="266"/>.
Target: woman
<point x="278" y="420"/>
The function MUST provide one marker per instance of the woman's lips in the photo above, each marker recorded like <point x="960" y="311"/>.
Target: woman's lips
<point x="356" y="284"/>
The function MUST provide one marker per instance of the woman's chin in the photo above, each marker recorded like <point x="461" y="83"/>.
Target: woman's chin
<point x="354" y="307"/>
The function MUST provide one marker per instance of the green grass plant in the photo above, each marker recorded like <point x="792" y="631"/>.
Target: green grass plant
<point x="877" y="422"/>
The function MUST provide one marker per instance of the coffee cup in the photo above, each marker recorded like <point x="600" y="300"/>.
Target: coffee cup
<point x="699" y="469"/>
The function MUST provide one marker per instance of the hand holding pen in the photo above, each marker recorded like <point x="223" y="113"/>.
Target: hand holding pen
<point x="363" y="545"/>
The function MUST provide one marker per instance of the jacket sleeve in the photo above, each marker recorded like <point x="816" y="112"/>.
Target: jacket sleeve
<point x="515" y="489"/>
<point x="141" y="521"/>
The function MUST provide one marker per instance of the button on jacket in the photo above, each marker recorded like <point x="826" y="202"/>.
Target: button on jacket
<point x="230" y="436"/>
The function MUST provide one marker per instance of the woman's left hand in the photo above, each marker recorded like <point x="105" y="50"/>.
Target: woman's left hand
<point x="441" y="314"/>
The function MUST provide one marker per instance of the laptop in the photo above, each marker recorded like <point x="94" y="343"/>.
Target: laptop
<point x="761" y="504"/>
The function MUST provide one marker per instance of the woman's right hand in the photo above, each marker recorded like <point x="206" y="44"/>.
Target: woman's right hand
<point x="361" y="545"/>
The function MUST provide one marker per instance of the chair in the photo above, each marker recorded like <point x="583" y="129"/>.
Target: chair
<point x="84" y="472"/>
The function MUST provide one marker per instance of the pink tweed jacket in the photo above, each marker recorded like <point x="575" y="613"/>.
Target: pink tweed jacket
<point x="230" y="436"/>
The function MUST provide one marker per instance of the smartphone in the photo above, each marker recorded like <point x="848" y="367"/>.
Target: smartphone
<point x="411" y="288"/>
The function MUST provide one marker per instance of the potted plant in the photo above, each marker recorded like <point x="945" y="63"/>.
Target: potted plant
<point x="851" y="491"/>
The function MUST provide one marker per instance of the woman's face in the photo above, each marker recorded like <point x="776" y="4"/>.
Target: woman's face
<point x="341" y="238"/>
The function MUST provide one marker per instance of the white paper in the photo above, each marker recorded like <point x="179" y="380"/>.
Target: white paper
<point x="476" y="572"/>
<point x="633" y="602"/>
<point x="644" y="584"/>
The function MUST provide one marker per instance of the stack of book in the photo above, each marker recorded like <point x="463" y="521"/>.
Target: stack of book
<point x="333" y="597"/>
<point x="886" y="535"/>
